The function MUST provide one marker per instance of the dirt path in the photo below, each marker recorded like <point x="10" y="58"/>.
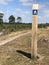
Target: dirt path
<point x="12" y="38"/>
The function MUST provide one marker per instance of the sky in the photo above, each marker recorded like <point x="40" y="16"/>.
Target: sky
<point x="23" y="8"/>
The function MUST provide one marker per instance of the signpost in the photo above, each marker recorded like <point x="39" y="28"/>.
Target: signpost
<point x="34" y="31"/>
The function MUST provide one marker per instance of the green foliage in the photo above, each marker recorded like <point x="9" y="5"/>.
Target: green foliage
<point x="19" y="19"/>
<point x="1" y="21"/>
<point x="11" y="19"/>
<point x="43" y="25"/>
<point x="8" y="27"/>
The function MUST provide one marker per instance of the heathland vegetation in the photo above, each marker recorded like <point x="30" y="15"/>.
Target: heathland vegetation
<point x="12" y="25"/>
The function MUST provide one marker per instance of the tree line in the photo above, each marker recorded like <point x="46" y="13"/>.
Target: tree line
<point x="12" y="19"/>
<point x="43" y="25"/>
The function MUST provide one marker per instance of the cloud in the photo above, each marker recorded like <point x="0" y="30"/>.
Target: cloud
<point x="22" y="11"/>
<point x="26" y="2"/>
<point x="5" y="2"/>
<point x="42" y="6"/>
<point x="25" y="14"/>
<point x="46" y="12"/>
<point x="44" y="15"/>
<point x="2" y="12"/>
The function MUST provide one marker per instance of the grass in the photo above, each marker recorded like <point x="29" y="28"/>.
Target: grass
<point x="8" y="28"/>
<point x="5" y="36"/>
<point x="18" y="51"/>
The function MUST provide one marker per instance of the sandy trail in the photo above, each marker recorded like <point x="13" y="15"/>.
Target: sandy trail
<point x="12" y="38"/>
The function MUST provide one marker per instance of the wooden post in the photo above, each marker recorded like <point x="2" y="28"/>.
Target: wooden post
<point x="34" y="31"/>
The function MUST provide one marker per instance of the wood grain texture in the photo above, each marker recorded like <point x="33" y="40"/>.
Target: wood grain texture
<point x="34" y="36"/>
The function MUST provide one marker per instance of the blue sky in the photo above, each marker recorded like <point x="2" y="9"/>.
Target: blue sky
<point x="23" y="8"/>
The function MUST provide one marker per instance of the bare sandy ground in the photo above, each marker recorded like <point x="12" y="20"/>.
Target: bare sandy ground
<point x="12" y="38"/>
